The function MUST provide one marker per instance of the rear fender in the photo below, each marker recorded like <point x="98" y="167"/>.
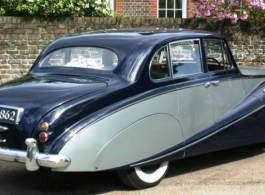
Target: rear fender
<point x="142" y="129"/>
<point x="146" y="137"/>
<point x="104" y="146"/>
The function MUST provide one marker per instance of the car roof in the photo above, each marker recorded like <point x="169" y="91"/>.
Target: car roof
<point x="108" y="38"/>
<point x="152" y="31"/>
<point x="131" y="45"/>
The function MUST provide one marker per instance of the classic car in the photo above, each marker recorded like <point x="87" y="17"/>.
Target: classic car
<point x="131" y="101"/>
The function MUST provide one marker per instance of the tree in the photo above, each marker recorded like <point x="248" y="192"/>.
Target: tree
<point x="227" y="9"/>
<point x="52" y="8"/>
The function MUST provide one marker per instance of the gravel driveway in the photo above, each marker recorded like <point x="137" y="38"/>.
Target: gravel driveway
<point x="232" y="172"/>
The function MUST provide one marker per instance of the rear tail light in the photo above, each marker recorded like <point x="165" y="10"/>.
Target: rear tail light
<point x="43" y="137"/>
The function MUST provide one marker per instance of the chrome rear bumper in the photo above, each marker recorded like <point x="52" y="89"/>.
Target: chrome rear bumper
<point x="33" y="159"/>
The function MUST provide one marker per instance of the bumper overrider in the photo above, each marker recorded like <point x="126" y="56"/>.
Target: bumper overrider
<point x="33" y="159"/>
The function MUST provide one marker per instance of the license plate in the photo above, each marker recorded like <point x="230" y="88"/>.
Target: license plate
<point x="10" y="114"/>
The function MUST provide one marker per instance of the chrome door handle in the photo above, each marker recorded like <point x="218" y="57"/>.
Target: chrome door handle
<point x="207" y="84"/>
<point x="215" y="83"/>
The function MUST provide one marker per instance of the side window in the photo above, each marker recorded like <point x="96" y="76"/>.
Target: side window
<point x="159" y="68"/>
<point x="185" y="57"/>
<point x="217" y="55"/>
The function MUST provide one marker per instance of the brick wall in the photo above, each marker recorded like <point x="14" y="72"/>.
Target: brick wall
<point x="143" y="8"/>
<point x="190" y="6"/>
<point x="22" y="39"/>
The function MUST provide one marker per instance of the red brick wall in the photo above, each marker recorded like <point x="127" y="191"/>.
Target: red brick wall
<point x="118" y="6"/>
<point x="146" y="8"/>
<point x="128" y="8"/>
<point x="23" y="38"/>
<point x="190" y="6"/>
<point x="153" y="9"/>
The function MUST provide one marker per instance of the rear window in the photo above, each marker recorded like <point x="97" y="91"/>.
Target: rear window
<point x="81" y="57"/>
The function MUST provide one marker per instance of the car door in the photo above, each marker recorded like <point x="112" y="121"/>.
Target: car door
<point x="226" y="83"/>
<point x="227" y="92"/>
<point x="194" y="96"/>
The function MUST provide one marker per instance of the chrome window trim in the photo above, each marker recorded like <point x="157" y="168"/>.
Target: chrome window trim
<point x="224" y="49"/>
<point x="200" y="60"/>
<point x="231" y="57"/>
<point x="171" y="76"/>
<point x="169" y="67"/>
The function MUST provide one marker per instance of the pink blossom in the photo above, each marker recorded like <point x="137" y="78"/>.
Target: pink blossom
<point x="212" y="7"/>
<point x="220" y="2"/>
<point x="202" y="1"/>
<point x="236" y="3"/>
<point x="221" y="17"/>
<point x="202" y="6"/>
<point x="232" y="9"/>
<point x="244" y="16"/>
<point x="234" y="21"/>
<point x="207" y="13"/>
<point x="228" y="15"/>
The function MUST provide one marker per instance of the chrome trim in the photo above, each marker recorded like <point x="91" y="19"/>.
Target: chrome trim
<point x="53" y="161"/>
<point x="33" y="159"/>
<point x="206" y="85"/>
<point x="32" y="153"/>
<point x="215" y="83"/>
<point x="12" y="155"/>
<point x="198" y="141"/>
<point x="3" y="128"/>
<point x="19" y="112"/>
<point x="169" y="68"/>
<point x="200" y="51"/>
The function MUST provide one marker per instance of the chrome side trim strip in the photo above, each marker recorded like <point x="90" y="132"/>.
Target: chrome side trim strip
<point x="198" y="141"/>
<point x="33" y="159"/>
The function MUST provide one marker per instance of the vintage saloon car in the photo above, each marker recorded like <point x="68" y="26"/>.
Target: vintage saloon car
<point x="129" y="101"/>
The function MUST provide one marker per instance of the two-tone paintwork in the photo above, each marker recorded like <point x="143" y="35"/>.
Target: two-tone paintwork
<point x="117" y="119"/>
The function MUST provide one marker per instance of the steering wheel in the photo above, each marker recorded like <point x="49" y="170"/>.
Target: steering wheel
<point x="215" y="60"/>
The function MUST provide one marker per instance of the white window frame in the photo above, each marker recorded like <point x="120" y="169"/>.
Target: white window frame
<point x="184" y="8"/>
<point x="111" y="3"/>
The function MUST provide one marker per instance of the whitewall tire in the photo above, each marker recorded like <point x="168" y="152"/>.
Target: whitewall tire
<point x="143" y="177"/>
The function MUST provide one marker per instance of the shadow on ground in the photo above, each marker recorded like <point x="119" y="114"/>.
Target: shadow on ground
<point x="205" y="161"/>
<point x="15" y="180"/>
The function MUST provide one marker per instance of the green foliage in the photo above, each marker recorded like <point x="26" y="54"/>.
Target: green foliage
<point x="257" y="15"/>
<point x="48" y="8"/>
